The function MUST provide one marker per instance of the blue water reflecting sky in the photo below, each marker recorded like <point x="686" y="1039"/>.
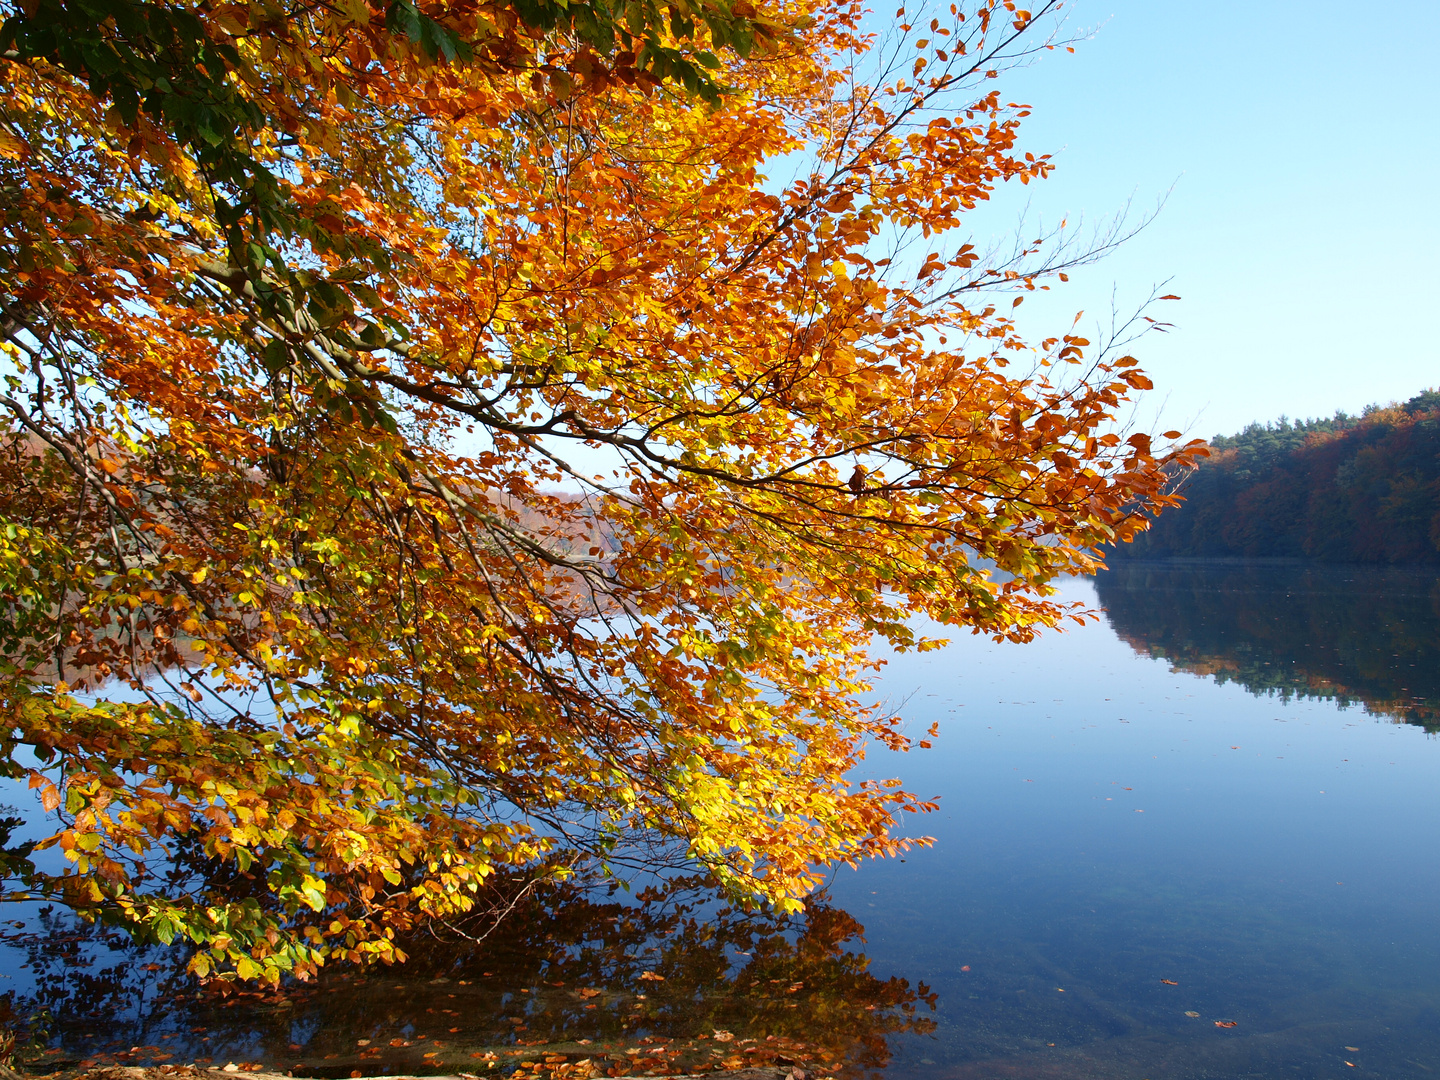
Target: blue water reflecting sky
<point x="1124" y="855"/>
<point x="1106" y="823"/>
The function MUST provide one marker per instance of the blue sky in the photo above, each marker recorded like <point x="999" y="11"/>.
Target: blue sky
<point x="1300" y="146"/>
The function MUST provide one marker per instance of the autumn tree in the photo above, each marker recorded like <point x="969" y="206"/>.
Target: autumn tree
<point x="463" y="437"/>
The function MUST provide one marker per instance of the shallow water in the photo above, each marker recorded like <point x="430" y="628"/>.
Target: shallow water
<point x="1191" y="790"/>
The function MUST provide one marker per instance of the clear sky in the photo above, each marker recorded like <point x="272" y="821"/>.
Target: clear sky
<point x="1300" y="145"/>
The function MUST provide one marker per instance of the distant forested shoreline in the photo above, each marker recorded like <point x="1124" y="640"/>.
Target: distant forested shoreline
<point x="1356" y="489"/>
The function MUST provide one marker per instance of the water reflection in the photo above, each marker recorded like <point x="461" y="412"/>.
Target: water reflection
<point x="577" y="983"/>
<point x="1349" y="634"/>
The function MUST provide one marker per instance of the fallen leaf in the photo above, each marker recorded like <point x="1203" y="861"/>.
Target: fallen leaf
<point x="1350" y="1063"/>
<point x="650" y="976"/>
<point x="1169" y="982"/>
<point x="1353" y="1049"/>
<point x="1192" y="1015"/>
<point x="720" y="1036"/>
<point x="964" y="967"/>
<point x="362" y="1042"/>
<point x="1227" y="1023"/>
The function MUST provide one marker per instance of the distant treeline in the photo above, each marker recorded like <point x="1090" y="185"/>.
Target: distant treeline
<point x="1349" y="489"/>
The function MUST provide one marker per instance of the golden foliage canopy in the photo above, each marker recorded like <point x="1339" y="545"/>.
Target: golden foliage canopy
<point x="442" y="440"/>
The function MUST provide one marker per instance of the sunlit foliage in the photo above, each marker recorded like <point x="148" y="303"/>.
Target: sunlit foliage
<point x="456" y="438"/>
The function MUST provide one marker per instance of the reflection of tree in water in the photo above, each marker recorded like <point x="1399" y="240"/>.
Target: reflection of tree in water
<point x="648" y="983"/>
<point x="1350" y="634"/>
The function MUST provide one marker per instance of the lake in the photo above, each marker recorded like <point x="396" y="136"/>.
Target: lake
<point x="1194" y="839"/>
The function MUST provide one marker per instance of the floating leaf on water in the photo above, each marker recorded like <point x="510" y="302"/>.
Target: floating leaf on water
<point x="1192" y="1014"/>
<point x="1169" y="982"/>
<point x="1353" y="1049"/>
<point x="1227" y="1023"/>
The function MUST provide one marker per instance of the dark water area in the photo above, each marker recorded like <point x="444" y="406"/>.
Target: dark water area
<point x="1357" y="635"/>
<point x="1195" y="839"/>
<point x="579" y="974"/>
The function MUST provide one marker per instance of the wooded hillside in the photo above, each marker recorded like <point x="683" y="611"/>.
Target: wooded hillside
<point x="1348" y="489"/>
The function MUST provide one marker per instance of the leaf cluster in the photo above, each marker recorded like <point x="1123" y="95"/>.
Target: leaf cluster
<point x="429" y="462"/>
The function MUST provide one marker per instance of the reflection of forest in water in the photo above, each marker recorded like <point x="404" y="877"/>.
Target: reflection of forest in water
<point x="574" y="984"/>
<point x="1346" y="633"/>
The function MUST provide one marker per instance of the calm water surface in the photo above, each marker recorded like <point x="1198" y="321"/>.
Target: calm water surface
<point x="1111" y="820"/>
<point x="1222" y="800"/>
